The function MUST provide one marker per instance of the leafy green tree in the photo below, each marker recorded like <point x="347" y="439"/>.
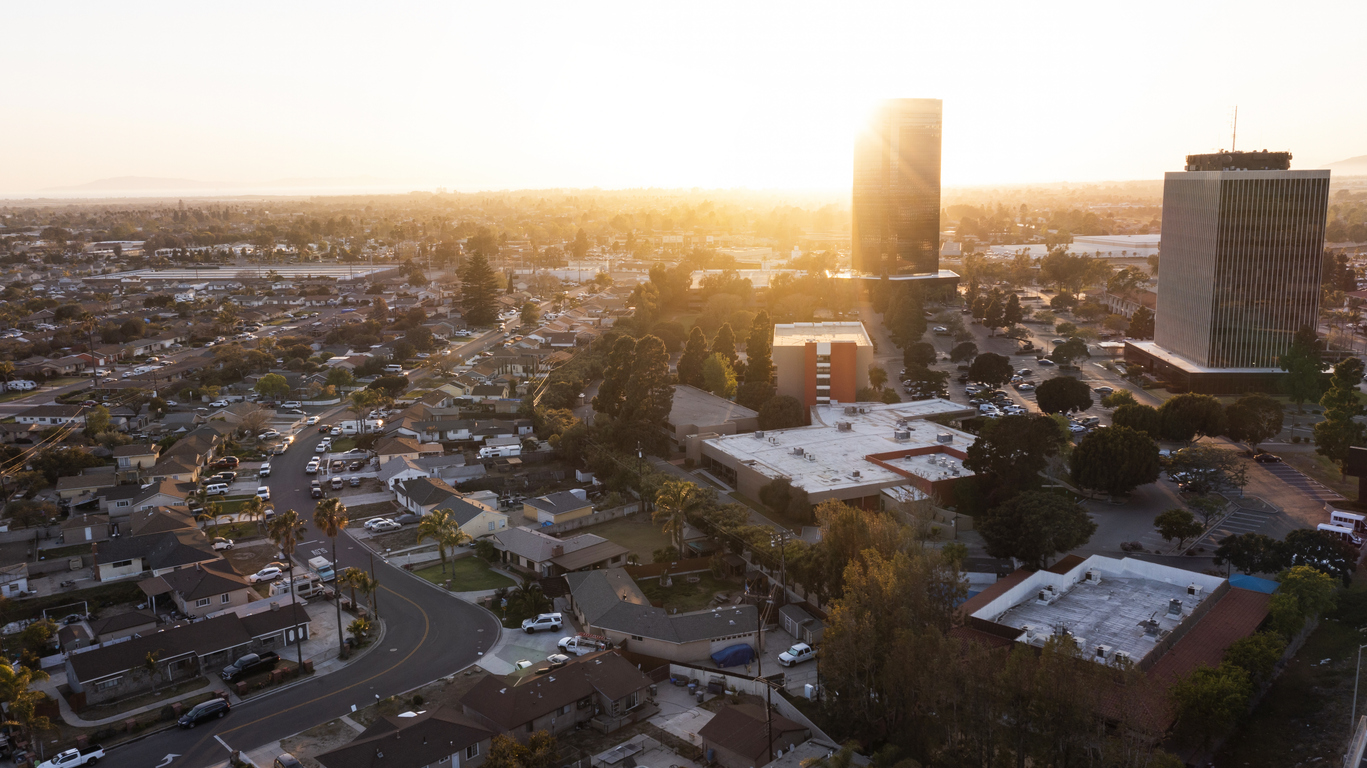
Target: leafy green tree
<point x="612" y="390"/>
<point x="1034" y="526"/>
<point x="782" y="412"/>
<point x="1118" y="398"/>
<point x="1178" y="524"/>
<point x="1322" y="551"/>
<point x="1070" y="350"/>
<point x="674" y="503"/>
<point x="694" y="355"/>
<point x="961" y="352"/>
<point x="991" y="368"/>
<point x="927" y="382"/>
<point x="1340" y="430"/>
<point x="1114" y="460"/>
<point x="531" y="314"/>
<point x="1013" y="313"/>
<point x="878" y="376"/>
<point x="1063" y="394"/>
<point x="718" y="377"/>
<point x="1065" y="328"/>
<point x="1257" y="655"/>
<point x="1209" y="468"/>
<point x="1141" y="324"/>
<point x="1209" y="701"/>
<point x="478" y="291"/>
<point x="340" y="377"/>
<point x="1303" y="362"/>
<point x="1254" y="418"/>
<point x="994" y="315"/>
<point x="1190" y="415"/>
<point x="920" y="353"/>
<point x="97" y="420"/>
<point x="1012" y="451"/>
<point x="1251" y="553"/>
<point x="272" y="385"/>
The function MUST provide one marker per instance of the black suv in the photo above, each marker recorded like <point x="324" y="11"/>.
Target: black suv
<point x="209" y="709"/>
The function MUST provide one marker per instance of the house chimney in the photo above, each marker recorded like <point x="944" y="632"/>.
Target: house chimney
<point x="557" y="550"/>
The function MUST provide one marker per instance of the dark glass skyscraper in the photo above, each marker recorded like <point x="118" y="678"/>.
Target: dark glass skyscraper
<point x="896" y="202"/>
<point x="1243" y="242"/>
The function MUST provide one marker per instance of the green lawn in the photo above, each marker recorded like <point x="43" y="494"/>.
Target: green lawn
<point x="67" y="551"/>
<point x="343" y="444"/>
<point x="10" y="396"/>
<point x="637" y="533"/>
<point x="466" y="575"/>
<point x="687" y="596"/>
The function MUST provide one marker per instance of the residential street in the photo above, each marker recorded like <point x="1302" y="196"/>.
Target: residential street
<point x="429" y="634"/>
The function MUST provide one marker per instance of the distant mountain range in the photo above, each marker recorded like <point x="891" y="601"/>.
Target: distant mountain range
<point x="1353" y="166"/>
<point x="158" y="184"/>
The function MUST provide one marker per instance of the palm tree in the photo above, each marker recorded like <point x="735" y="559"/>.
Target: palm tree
<point x="210" y="513"/>
<point x="253" y="508"/>
<point x="675" y="500"/>
<point x="360" y="403"/>
<point x="441" y="527"/>
<point x="149" y="666"/>
<point x="359" y="629"/>
<point x="104" y="297"/>
<point x="357" y="580"/>
<point x="529" y="594"/>
<point x="330" y="517"/>
<point x="22" y="704"/>
<point x="285" y="530"/>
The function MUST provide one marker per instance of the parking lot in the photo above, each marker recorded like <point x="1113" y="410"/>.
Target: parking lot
<point x="1298" y="481"/>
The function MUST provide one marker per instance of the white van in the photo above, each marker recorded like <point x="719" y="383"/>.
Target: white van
<point x="1342" y="532"/>
<point x="393" y="369"/>
<point x="499" y="451"/>
<point x="216" y="489"/>
<point x="21" y="385"/>
<point x="1356" y="523"/>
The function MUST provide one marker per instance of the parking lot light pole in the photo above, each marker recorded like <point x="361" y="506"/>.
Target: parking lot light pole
<point x="1352" y="723"/>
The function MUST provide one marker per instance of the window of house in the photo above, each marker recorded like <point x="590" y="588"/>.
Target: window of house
<point x="203" y="602"/>
<point x="531" y="727"/>
<point x="637" y="637"/>
<point x="491" y="525"/>
<point x="565" y="710"/>
<point x="121" y="503"/>
<point x="122" y="563"/>
<point x="472" y="751"/>
<point x="225" y="598"/>
<point x="105" y="685"/>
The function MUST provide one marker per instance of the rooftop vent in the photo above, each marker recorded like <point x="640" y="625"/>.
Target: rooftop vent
<point x="863" y="409"/>
<point x="844" y="426"/>
<point x="850" y="410"/>
<point x="856" y="474"/>
<point x="1174" y="608"/>
<point x="1093" y="576"/>
<point x="944" y="437"/>
<point x="1122" y="656"/>
<point x="759" y="433"/>
<point x="1194" y="590"/>
<point x="1151" y="629"/>
<point x="901" y="435"/>
<point x="798" y="451"/>
<point x="811" y="457"/>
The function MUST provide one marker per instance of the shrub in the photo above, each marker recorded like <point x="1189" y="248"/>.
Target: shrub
<point x="418" y="700"/>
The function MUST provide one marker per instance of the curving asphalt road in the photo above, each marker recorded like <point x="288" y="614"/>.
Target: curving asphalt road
<point x="428" y="635"/>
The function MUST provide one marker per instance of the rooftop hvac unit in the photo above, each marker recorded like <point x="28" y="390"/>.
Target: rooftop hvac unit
<point x="901" y="435"/>
<point x="863" y="409"/>
<point x="1152" y="630"/>
<point x="1093" y="577"/>
<point x="1047" y="596"/>
<point x="811" y="457"/>
<point x="944" y="437"/>
<point x="856" y="474"/>
<point x="1103" y="652"/>
<point x="798" y="451"/>
<point x="850" y="410"/>
<point x="1122" y="656"/>
<point x="759" y="433"/>
<point x="1174" y="608"/>
<point x="773" y="440"/>
<point x="844" y="426"/>
<point x="1194" y="590"/>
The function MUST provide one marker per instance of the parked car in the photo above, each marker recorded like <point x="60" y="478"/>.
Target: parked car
<point x="354" y="481"/>
<point x="269" y="573"/>
<point x="269" y="434"/>
<point x="316" y="490"/>
<point x="264" y="492"/>
<point x="221" y="543"/>
<point x="1046" y="362"/>
<point x="214" y="404"/>
<point x="216" y="489"/>
<point x="558" y="660"/>
<point x="311" y="468"/>
<point x="324" y="428"/>
<point x="407" y="519"/>
<point x="1267" y="458"/>
<point x="250" y="664"/>
<point x="311" y="420"/>
<point x="228" y="462"/>
<point x="293" y="404"/>
<point x="1103" y="390"/>
<point x="322" y="447"/>
<point x="796" y="655"/>
<point x="265" y="470"/>
<point x="335" y="431"/>
<point x="74" y="757"/>
<point x="370" y="524"/>
<point x="579" y="645"/>
<point x="205" y="711"/>
<point x="543" y="621"/>
<point x="355" y="465"/>
<point x="384" y="526"/>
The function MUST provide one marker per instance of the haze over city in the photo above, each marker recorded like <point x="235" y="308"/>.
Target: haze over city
<point x="360" y="97"/>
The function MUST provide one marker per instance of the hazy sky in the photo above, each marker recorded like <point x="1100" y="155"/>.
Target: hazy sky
<point x="765" y="95"/>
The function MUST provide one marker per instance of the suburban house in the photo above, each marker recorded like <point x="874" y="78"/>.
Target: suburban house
<point x="124" y="624"/>
<point x="475" y="519"/>
<point x="736" y="735"/>
<point x="802" y="625"/>
<point x="531" y="550"/>
<point x="602" y="688"/>
<point x="608" y="603"/>
<point x="182" y="469"/>
<point x="78" y="489"/>
<point x="161" y="544"/>
<point x="422" y="494"/>
<point x="84" y="528"/>
<point x="559" y="507"/>
<point x="201" y="590"/>
<point x="136" y="456"/>
<point x="400" y="447"/>
<point x="436" y="737"/>
<point x="13" y="580"/>
<point x="452" y="469"/>
<point x="52" y="415"/>
<point x="183" y="652"/>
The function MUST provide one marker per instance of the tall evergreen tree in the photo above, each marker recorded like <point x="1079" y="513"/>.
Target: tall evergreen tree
<point x="1339" y="431"/>
<point x="724" y="344"/>
<point x="695" y="353"/>
<point x="759" y="350"/>
<point x="1304" y="366"/>
<point x="612" y="391"/>
<point x="478" y="289"/>
<point x="649" y="393"/>
<point x="1013" y="313"/>
<point x="1141" y="324"/>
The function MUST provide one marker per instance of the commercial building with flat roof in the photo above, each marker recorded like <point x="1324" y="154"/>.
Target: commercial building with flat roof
<point x="820" y="363"/>
<point x="1243" y="243"/>
<point x="695" y="412"/>
<point x="895" y="214"/>
<point x="850" y="453"/>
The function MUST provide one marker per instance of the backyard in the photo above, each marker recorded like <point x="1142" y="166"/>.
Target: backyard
<point x="638" y="533"/>
<point x="468" y="574"/>
<point x="686" y="594"/>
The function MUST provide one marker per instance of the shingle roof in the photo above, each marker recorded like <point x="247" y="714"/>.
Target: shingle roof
<point x="81" y="482"/>
<point x="538" y="547"/>
<point x="211" y="579"/>
<point x="121" y="621"/>
<point x="741" y="728"/>
<point x="462" y="511"/>
<point x="159" y="550"/>
<point x="586" y="556"/>
<point x="609" y="602"/>
<point x="558" y="503"/>
<point x="425" y="490"/>
<point x="398" y="742"/>
<point x="136" y="449"/>
<point x="51" y="410"/>
<point x="510" y="701"/>
<point x="396" y="445"/>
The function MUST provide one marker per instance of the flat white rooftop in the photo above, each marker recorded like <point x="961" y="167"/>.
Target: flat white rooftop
<point x="1176" y="360"/>
<point x="832" y="454"/>
<point x="1126" y="605"/>
<point x="801" y="334"/>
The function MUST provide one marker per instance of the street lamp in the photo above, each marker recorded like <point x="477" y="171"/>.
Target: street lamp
<point x="1356" y="679"/>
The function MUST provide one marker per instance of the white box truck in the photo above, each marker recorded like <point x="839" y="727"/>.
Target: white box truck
<point x="322" y="567"/>
<point x="306" y="585"/>
<point x="499" y="451"/>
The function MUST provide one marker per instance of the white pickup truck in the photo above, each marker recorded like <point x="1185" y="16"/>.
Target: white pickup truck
<point x="74" y="757"/>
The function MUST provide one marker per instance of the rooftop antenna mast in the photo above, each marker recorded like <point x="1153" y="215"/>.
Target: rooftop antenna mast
<point x="1234" y="140"/>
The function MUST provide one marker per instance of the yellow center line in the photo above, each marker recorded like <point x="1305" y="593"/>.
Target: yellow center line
<point x="426" y="627"/>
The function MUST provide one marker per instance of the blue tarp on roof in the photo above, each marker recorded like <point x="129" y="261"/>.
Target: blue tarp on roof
<point x="734" y="656"/>
<point x="1253" y="583"/>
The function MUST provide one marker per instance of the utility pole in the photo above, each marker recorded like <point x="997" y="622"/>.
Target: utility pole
<point x="376" y="581"/>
